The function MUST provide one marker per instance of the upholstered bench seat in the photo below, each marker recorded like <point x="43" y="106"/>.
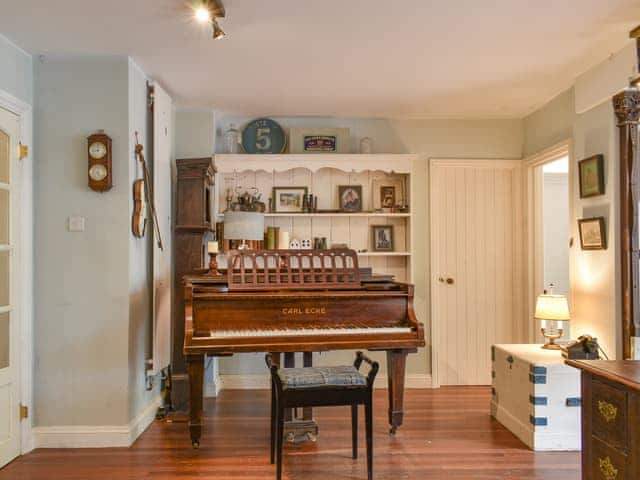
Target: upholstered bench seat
<point x="318" y="377"/>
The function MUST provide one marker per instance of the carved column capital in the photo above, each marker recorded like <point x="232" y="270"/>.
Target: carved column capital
<point x="626" y="104"/>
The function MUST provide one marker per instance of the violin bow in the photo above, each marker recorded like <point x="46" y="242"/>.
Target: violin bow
<point x="148" y="192"/>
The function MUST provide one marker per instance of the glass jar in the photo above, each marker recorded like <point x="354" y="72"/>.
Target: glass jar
<point x="366" y="145"/>
<point x="232" y="140"/>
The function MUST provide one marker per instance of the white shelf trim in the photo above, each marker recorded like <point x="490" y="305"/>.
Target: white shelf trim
<point x="392" y="163"/>
<point x="384" y="254"/>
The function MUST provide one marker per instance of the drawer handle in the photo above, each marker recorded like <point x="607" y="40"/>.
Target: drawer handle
<point x="608" y="411"/>
<point x="609" y="472"/>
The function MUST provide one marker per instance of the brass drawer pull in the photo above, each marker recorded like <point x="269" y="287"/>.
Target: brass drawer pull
<point x="608" y="411"/>
<point x="609" y="472"/>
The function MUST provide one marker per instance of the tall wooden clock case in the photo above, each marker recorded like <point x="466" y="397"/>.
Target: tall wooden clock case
<point x="194" y="227"/>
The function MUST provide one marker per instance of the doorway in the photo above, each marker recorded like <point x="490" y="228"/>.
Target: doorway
<point x="9" y="324"/>
<point x="549" y="207"/>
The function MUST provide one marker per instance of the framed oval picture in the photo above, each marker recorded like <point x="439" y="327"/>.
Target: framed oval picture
<point x="263" y="135"/>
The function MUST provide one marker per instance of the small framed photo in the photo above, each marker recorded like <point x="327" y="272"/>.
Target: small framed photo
<point x="350" y="198"/>
<point x="288" y="199"/>
<point x="382" y="238"/>
<point x="387" y="193"/>
<point x="591" y="176"/>
<point x="592" y="233"/>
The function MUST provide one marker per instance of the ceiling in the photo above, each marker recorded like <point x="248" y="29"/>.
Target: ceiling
<point x="348" y="58"/>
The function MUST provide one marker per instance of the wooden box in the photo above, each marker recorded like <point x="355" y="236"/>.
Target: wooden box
<point x="536" y="396"/>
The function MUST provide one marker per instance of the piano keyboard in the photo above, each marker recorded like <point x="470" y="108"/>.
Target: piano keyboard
<point x="306" y="332"/>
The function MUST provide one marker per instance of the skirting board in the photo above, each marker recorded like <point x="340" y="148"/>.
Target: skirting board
<point x="261" y="382"/>
<point x="96" y="436"/>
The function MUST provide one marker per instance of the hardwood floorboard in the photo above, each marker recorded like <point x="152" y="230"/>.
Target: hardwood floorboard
<point x="448" y="434"/>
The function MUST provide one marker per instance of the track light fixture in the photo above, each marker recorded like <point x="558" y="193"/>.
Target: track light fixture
<point x="218" y="33"/>
<point x="208" y="11"/>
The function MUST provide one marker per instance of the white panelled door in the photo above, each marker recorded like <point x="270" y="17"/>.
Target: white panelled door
<point x="9" y="392"/>
<point x="162" y="181"/>
<point x="476" y="251"/>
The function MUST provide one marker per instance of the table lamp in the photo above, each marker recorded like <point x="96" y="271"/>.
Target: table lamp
<point x="243" y="226"/>
<point x="553" y="308"/>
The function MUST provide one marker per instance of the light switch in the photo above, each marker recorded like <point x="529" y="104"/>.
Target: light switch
<point x="76" y="224"/>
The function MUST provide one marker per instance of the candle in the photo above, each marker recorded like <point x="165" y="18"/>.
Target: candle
<point x="283" y="240"/>
<point x="212" y="247"/>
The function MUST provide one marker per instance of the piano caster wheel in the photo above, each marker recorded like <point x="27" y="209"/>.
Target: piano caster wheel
<point x="312" y="437"/>
<point x="393" y="430"/>
<point x="195" y="445"/>
<point x="291" y="437"/>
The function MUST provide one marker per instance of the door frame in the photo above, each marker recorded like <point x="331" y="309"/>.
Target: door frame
<point x="514" y="164"/>
<point x="24" y="256"/>
<point x="533" y="247"/>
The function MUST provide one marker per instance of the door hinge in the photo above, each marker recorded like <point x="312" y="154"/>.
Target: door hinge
<point x="24" y="412"/>
<point x="24" y="151"/>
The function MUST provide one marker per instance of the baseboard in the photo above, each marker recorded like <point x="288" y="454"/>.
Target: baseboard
<point x="211" y="390"/>
<point x="95" y="436"/>
<point x="260" y="382"/>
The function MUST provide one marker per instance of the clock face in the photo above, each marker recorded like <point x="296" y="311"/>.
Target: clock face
<point x="97" y="150"/>
<point x="98" y="172"/>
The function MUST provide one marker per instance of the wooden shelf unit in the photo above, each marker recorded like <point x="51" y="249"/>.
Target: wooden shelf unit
<point x="322" y="174"/>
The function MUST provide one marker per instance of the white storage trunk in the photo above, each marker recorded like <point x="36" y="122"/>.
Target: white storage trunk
<point x="536" y="396"/>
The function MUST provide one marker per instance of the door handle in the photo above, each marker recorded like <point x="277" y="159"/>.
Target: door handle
<point x="450" y="281"/>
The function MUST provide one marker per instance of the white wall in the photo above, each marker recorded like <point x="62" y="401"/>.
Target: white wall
<point x="16" y="71"/>
<point x="594" y="275"/>
<point x="140" y="252"/>
<point x="92" y="288"/>
<point x="195" y="133"/>
<point x="555" y="226"/>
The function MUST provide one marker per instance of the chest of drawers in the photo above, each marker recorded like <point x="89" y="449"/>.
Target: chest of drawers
<point x="610" y="419"/>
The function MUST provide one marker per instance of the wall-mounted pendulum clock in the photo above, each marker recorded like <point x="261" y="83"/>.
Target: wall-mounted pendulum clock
<point x="99" y="168"/>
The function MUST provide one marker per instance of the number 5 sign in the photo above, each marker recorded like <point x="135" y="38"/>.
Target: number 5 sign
<point x="263" y="136"/>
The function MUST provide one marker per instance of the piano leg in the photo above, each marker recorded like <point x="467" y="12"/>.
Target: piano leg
<point x="195" y="368"/>
<point x="396" y="361"/>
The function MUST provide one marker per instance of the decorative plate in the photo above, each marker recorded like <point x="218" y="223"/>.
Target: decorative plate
<point x="263" y="135"/>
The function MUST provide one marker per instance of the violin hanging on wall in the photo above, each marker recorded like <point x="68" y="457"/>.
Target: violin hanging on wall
<point x="139" y="218"/>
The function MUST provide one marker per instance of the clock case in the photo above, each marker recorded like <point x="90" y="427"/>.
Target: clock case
<point x="107" y="182"/>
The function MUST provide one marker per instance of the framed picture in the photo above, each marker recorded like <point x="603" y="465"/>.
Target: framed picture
<point x="288" y="199"/>
<point x="350" y="198"/>
<point x="382" y="238"/>
<point x="592" y="233"/>
<point x="387" y="193"/>
<point x="591" y="176"/>
<point x="319" y="140"/>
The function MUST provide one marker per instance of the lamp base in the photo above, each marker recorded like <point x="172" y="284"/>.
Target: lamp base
<point x="551" y="339"/>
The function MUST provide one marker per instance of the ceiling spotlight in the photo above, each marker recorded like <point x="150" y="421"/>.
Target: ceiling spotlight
<point x="203" y="14"/>
<point x="218" y="33"/>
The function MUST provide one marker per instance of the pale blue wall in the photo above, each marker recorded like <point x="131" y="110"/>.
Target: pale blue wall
<point x="16" y="71"/>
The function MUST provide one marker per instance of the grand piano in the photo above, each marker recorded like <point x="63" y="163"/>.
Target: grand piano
<point x="284" y="301"/>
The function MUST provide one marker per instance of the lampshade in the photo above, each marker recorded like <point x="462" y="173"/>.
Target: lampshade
<point x="552" y="307"/>
<point x="243" y="225"/>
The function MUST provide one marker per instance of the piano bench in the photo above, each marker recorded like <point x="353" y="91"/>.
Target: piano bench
<point x="322" y="387"/>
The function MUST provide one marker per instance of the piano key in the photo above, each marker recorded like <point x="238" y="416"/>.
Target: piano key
<point x="306" y="331"/>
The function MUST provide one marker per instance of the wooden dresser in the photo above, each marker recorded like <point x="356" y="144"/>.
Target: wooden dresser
<point x="610" y="419"/>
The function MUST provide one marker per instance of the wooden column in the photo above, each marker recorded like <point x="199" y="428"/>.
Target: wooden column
<point x="194" y="226"/>
<point x="626" y="105"/>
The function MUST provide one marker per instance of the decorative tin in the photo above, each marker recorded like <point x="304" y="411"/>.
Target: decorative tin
<point x="320" y="143"/>
<point x="263" y="135"/>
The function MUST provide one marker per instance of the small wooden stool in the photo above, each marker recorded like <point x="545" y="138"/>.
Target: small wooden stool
<point x="322" y="387"/>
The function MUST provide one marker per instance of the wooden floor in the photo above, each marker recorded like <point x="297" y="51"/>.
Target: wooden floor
<point x="448" y="434"/>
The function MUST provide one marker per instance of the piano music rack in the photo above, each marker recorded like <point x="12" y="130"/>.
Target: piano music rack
<point x="331" y="269"/>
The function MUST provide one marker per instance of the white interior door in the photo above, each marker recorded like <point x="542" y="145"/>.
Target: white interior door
<point x="162" y="183"/>
<point x="476" y="252"/>
<point x="9" y="396"/>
